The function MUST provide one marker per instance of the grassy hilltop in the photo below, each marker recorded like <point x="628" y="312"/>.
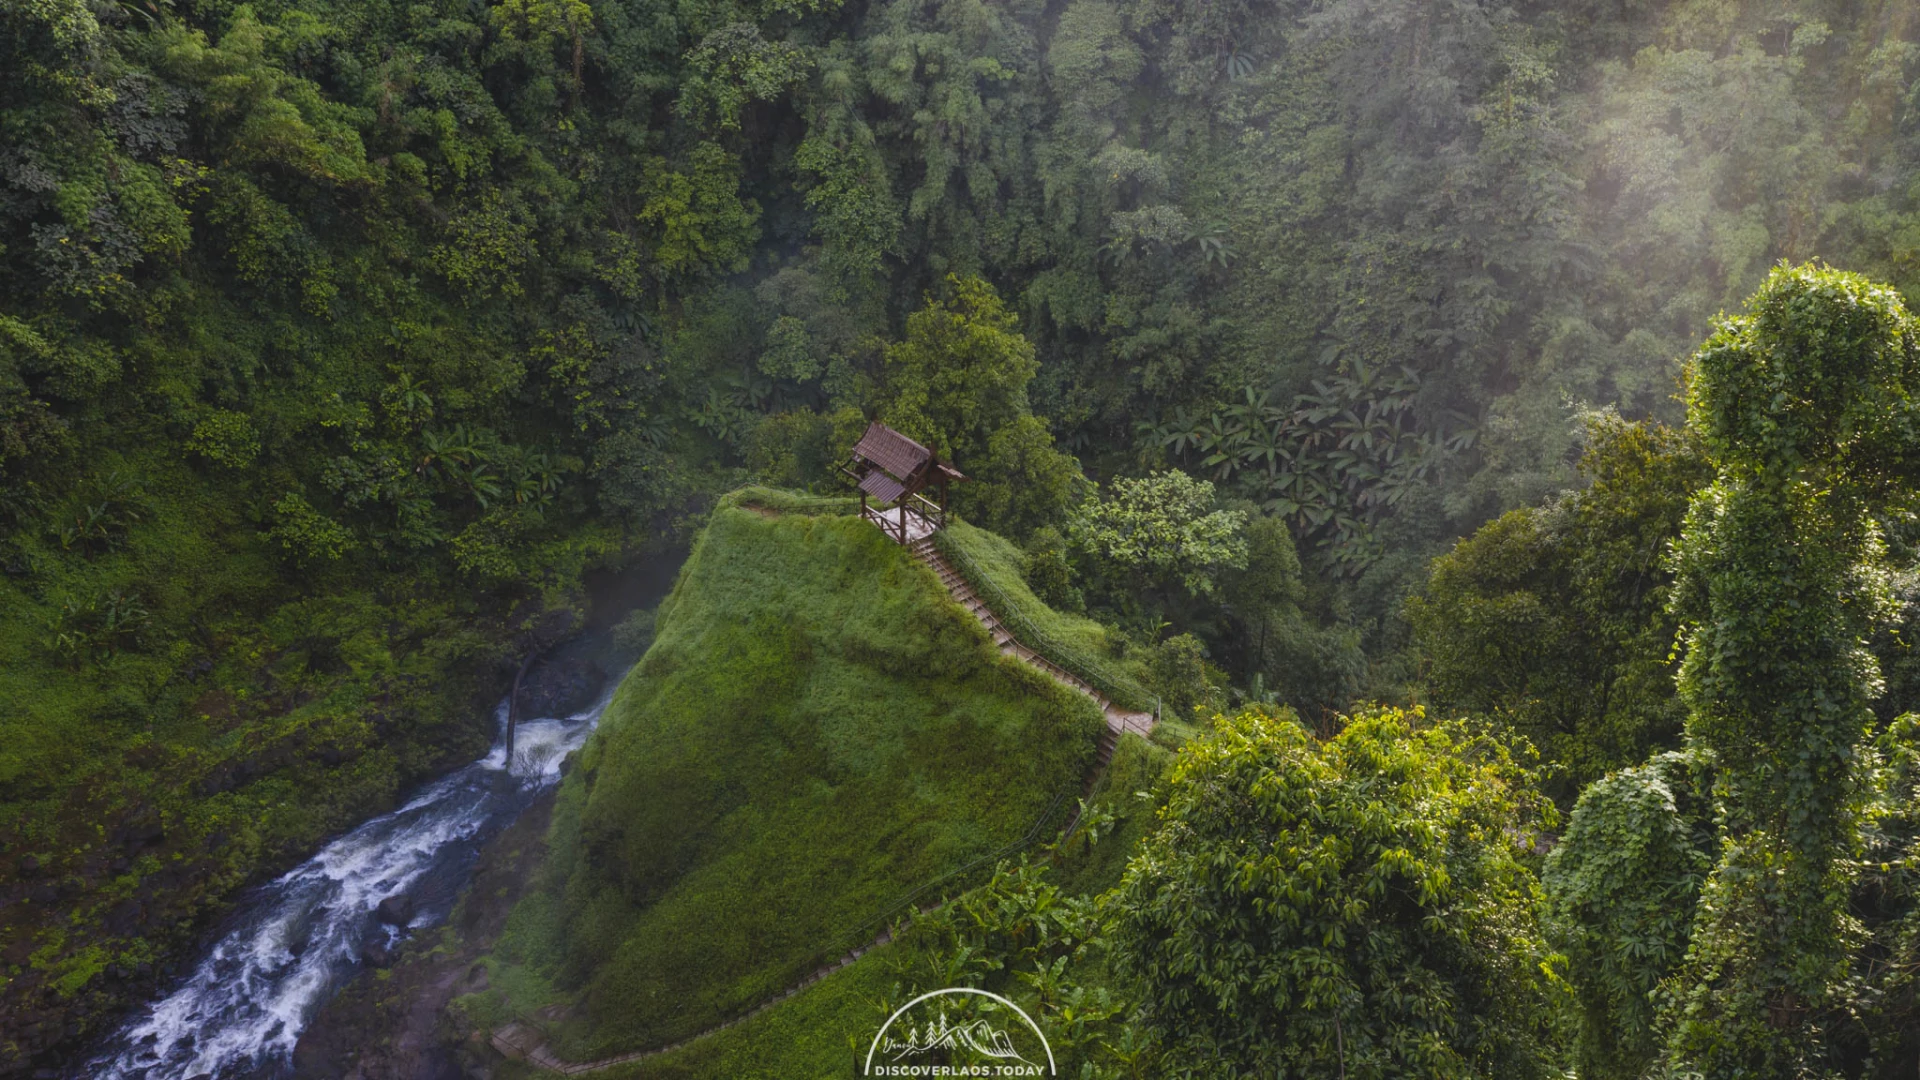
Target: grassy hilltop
<point x="816" y="730"/>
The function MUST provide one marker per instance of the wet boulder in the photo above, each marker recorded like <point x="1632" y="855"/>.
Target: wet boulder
<point x="395" y="910"/>
<point x="560" y="687"/>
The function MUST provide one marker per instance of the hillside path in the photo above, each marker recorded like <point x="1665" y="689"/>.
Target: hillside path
<point x="1119" y="721"/>
<point x="523" y="1042"/>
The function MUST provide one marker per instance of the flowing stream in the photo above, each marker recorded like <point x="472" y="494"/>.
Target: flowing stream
<point x="290" y="943"/>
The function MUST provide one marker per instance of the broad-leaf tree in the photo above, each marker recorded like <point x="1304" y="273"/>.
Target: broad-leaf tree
<point x="1358" y="907"/>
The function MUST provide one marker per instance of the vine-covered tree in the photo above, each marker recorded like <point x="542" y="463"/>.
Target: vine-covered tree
<point x="1804" y="404"/>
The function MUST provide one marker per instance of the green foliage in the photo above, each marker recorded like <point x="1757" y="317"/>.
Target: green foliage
<point x="962" y="372"/>
<point x="1162" y="529"/>
<point x="733" y="66"/>
<point x="1179" y="676"/>
<point x="992" y="566"/>
<point x="1024" y="483"/>
<point x="308" y="535"/>
<point x="814" y="732"/>
<point x="1623" y="887"/>
<point x="1047" y="569"/>
<point x="79" y="633"/>
<point x="487" y="245"/>
<point x="1555" y="621"/>
<point x="1359" y="906"/>
<point x="225" y="438"/>
<point x="1117" y="816"/>
<point x="695" y="219"/>
<point x="1805" y="406"/>
<point x="1022" y="936"/>
<point x="1286" y="653"/>
<point x="794" y="449"/>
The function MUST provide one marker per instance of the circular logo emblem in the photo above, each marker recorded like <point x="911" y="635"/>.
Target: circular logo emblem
<point x="959" y="1031"/>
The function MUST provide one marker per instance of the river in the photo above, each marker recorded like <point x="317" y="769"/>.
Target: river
<point x="291" y="942"/>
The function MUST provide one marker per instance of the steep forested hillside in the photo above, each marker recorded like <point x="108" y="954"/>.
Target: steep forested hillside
<point x="339" y="339"/>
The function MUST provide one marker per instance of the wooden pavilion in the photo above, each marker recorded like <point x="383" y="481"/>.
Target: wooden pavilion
<point x="895" y="471"/>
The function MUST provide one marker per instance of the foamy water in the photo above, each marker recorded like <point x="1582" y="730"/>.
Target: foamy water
<point x="291" y="942"/>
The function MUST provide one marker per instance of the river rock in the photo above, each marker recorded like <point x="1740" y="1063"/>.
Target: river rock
<point x="560" y="687"/>
<point x="395" y="910"/>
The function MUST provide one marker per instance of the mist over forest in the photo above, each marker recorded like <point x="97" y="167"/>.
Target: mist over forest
<point x="1509" y="399"/>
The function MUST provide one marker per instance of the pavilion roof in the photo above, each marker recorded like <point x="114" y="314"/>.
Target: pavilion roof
<point x="881" y="486"/>
<point x="892" y="451"/>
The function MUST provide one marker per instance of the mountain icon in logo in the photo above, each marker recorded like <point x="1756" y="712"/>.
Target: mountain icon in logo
<point x="976" y="1035"/>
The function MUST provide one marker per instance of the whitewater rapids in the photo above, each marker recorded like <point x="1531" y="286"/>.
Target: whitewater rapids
<point x="291" y="942"/>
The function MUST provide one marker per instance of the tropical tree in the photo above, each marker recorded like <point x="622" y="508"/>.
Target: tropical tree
<point x="1358" y="907"/>
<point x="958" y="383"/>
<point x="1804" y="405"/>
<point x="1162" y="530"/>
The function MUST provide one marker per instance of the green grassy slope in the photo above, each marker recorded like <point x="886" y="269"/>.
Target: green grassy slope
<point x="1075" y="642"/>
<point x="816" y="731"/>
<point x="822" y="1030"/>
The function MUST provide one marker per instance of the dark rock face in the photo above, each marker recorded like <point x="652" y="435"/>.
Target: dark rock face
<point x="560" y="688"/>
<point x="375" y="955"/>
<point x="395" y="910"/>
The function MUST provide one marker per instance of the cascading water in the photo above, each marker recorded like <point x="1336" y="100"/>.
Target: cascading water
<point x="290" y="942"/>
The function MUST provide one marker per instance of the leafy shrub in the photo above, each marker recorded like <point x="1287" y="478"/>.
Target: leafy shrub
<point x="1358" y="907"/>
<point x="1161" y="530"/>
<point x="306" y="534"/>
<point x="97" y="629"/>
<point x="225" y="438"/>
<point x="1178" y="673"/>
<point x="1049" y="571"/>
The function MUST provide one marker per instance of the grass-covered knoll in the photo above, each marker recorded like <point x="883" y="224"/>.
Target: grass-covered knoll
<point x="808" y="1035"/>
<point x="816" y="730"/>
<point x="1079" y="644"/>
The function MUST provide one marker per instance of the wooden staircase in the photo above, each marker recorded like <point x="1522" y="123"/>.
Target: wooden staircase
<point x="1119" y="721"/>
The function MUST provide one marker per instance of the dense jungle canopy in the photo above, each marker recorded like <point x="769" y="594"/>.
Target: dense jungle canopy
<point x="340" y="340"/>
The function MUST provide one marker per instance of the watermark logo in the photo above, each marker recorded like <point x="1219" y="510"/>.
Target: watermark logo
<point x="959" y="1031"/>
